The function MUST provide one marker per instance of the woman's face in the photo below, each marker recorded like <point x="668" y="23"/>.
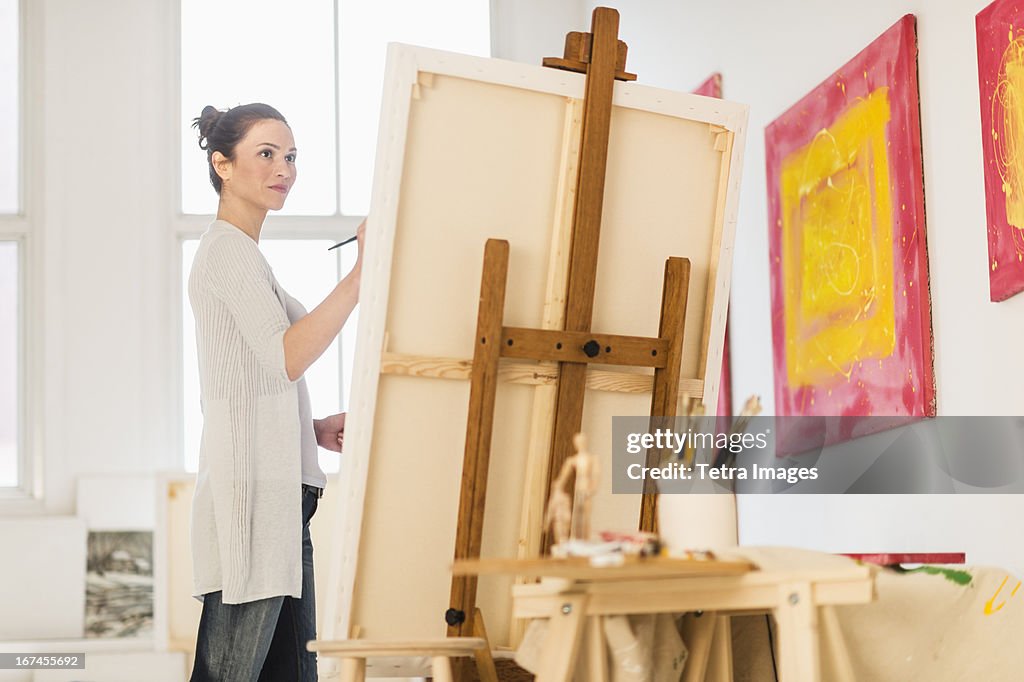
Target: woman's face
<point x="263" y="171"/>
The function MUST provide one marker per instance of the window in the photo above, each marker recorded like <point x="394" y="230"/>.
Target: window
<point x="9" y="103"/>
<point x="240" y="51"/>
<point x="321" y="63"/>
<point x="12" y="232"/>
<point x="9" y="375"/>
<point x="364" y="30"/>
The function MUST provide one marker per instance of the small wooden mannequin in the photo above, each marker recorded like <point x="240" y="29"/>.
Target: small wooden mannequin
<point x="568" y="518"/>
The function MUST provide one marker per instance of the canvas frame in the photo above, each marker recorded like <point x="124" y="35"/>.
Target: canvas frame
<point x="410" y="70"/>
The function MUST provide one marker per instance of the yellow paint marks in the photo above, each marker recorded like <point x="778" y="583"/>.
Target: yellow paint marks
<point x="837" y="246"/>
<point x="989" y="609"/>
<point x="1008" y="128"/>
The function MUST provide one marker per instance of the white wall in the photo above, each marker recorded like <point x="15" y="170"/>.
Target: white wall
<point x="107" y="250"/>
<point x="101" y="267"/>
<point x="770" y="55"/>
<point x="529" y="30"/>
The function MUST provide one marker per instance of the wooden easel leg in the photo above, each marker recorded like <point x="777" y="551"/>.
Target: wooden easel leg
<point x="698" y="633"/>
<point x="596" y="651"/>
<point x="797" y="619"/>
<point x="441" y="669"/>
<point x="842" y="666"/>
<point x="720" y="662"/>
<point x="484" y="661"/>
<point x="565" y="631"/>
<point x="479" y="423"/>
<point x="665" y="395"/>
<point x="353" y="670"/>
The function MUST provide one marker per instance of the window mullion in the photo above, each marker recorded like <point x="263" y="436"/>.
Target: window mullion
<point x="13" y="227"/>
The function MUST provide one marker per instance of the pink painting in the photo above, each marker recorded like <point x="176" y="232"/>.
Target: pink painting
<point x="851" y="313"/>
<point x="712" y="87"/>
<point x="1000" y="29"/>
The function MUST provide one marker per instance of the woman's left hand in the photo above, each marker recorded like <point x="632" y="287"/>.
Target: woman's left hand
<point x="330" y="431"/>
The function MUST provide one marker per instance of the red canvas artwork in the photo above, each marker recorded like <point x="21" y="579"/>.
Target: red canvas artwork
<point x="851" y="313"/>
<point x="712" y="87"/>
<point x="1000" y="28"/>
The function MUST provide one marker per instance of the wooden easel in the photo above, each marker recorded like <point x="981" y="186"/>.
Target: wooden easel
<point x="602" y="57"/>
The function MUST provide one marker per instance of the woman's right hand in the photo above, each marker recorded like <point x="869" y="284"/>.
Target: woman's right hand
<point x="357" y="269"/>
<point x="360" y="240"/>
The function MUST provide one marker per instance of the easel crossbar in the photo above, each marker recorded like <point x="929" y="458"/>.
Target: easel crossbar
<point x="585" y="347"/>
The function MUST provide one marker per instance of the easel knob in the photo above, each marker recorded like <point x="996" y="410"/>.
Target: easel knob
<point x="454" y="617"/>
<point x="591" y="348"/>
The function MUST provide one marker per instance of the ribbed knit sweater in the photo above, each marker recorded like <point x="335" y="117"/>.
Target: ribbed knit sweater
<point x="246" y="510"/>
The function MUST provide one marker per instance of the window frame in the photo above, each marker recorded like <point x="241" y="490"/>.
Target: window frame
<point x="22" y="228"/>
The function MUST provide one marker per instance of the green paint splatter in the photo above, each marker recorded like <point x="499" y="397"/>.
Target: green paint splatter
<point x="950" y="574"/>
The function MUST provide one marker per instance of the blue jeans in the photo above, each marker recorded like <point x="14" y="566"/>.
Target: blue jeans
<point x="262" y="640"/>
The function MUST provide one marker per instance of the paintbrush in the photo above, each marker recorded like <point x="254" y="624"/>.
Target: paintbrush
<point x="694" y="413"/>
<point x="347" y="241"/>
<point x="751" y="409"/>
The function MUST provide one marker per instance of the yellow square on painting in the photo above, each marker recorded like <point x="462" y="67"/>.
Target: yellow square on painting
<point x="837" y="247"/>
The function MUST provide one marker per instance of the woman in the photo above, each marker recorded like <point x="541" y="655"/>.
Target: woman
<point x="259" y="480"/>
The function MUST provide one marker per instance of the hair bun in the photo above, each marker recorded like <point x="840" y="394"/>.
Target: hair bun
<point x="205" y="123"/>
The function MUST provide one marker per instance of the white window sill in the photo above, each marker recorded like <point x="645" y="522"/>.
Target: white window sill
<point x="16" y="502"/>
<point x="85" y="646"/>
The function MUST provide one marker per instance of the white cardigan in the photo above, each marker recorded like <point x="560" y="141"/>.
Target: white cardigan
<point x="247" y="507"/>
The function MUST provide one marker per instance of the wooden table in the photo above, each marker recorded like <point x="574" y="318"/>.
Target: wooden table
<point x="798" y="587"/>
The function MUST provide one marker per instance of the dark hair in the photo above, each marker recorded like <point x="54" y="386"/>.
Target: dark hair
<point x="221" y="131"/>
